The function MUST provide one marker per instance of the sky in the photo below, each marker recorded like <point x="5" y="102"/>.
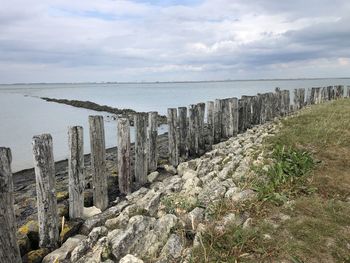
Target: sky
<point x="172" y="40"/>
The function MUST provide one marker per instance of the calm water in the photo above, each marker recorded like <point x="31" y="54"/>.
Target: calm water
<point x="23" y="114"/>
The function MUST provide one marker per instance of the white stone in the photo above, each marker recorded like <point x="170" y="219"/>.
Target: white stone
<point x="130" y="259"/>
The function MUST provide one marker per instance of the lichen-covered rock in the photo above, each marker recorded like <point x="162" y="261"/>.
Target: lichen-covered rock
<point x="173" y="248"/>
<point x="130" y="259"/>
<point x="195" y="217"/>
<point x="120" y="221"/>
<point x="64" y="252"/>
<point x="150" y="202"/>
<point x="31" y="230"/>
<point x="70" y="229"/>
<point x="212" y="192"/>
<point x="35" y="256"/>
<point x="243" y="196"/>
<point x="170" y="169"/>
<point x="62" y="196"/>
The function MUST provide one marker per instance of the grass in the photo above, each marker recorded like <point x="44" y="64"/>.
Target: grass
<point x="309" y="181"/>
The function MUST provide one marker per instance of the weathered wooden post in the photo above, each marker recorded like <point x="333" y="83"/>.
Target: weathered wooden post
<point x="241" y="115"/>
<point x="233" y="113"/>
<point x="210" y="123"/>
<point x="193" y="130"/>
<point x="140" y="124"/>
<point x="278" y="102"/>
<point x="9" y="251"/>
<point x="201" y="135"/>
<point x="98" y="162"/>
<point x="76" y="176"/>
<point x="152" y="147"/>
<point x="285" y="102"/>
<point x="225" y="118"/>
<point x="173" y="137"/>
<point x="217" y="120"/>
<point x="44" y="167"/>
<point x="124" y="167"/>
<point x="330" y="92"/>
<point x="262" y="113"/>
<point x="183" y="130"/>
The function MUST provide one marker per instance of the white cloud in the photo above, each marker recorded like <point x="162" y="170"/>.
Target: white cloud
<point x="86" y="40"/>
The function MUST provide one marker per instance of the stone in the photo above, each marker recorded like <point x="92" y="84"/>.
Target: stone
<point x="120" y="221"/>
<point x="248" y="223"/>
<point x="35" y="256"/>
<point x="189" y="174"/>
<point x="64" y="252"/>
<point x="152" y="177"/>
<point x="122" y="242"/>
<point x="212" y="192"/>
<point x="31" y="230"/>
<point x="63" y="210"/>
<point x="90" y="212"/>
<point x="231" y="192"/>
<point x="130" y="259"/>
<point x="150" y="202"/>
<point x="172" y="248"/>
<point x="170" y="169"/>
<point x="70" y="229"/>
<point x="195" y="217"/>
<point x="243" y="196"/>
<point x="190" y="165"/>
<point x="137" y="194"/>
<point x="23" y="243"/>
<point x="62" y="196"/>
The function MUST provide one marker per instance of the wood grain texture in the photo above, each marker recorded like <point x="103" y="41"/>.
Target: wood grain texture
<point x="124" y="165"/>
<point x="9" y="251"/>
<point x="76" y="177"/>
<point x="44" y="167"/>
<point x="141" y="160"/>
<point x="152" y="147"/>
<point x="173" y="137"/>
<point x="183" y="133"/>
<point x="210" y="123"/>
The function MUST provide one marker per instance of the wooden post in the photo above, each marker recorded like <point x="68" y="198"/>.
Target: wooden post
<point x="9" y="251"/>
<point x="76" y="176"/>
<point x="210" y="122"/>
<point x="217" y="120"/>
<point x="124" y="167"/>
<point x="241" y="115"/>
<point x="152" y="147"/>
<point x="173" y="137"/>
<point x="256" y="106"/>
<point x="182" y="121"/>
<point x="278" y="103"/>
<point x="45" y="190"/>
<point x="193" y="130"/>
<point x="233" y="116"/>
<point x="262" y="100"/>
<point x="201" y="131"/>
<point x="225" y="118"/>
<point x="98" y="162"/>
<point x="285" y="102"/>
<point x="140" y="124"/>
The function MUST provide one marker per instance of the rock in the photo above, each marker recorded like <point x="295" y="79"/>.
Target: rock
<point x="31" y="230"/>
<point x="189" y="174"/>
<point x="152" y="176"/>
<point x="62" y="196"/>
<point x="100" y="219"/>
<point x="23" y="243"/>
<point x="172" y="248"/>
<point x="170" y="169"/>
<point x="35" y="256"/>
<point x="232" y="219"/>
<point x="212" y="192"/>
<point x="137" y="194"/>
<point x="172" y="184"/>
<point x="231" y="192"/>
<point x="195" y="217"/>
<point x="70" y="229"/>
<point x="190" y="165"/>
<point x="248" y="223"/>
<point x="63" y="210"/>
<point x="150" y="202"/>
<point x="130" y="259"/>
<point x="243" y="196"/>
<point x="123" y="242"/>
<point x="120" y="221"/>
<point x="191" y="183"/>
<point x="65" y="250"/>
<point x="90" y="212"/>
<point x="95" y="234"/>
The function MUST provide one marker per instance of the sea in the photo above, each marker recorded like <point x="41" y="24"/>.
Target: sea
<point x="24" y="114"/>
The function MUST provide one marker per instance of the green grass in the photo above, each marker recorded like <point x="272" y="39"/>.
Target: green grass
<point x="308" y="179"/>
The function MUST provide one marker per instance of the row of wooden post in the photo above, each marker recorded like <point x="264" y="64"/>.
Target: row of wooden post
<point x="188" y="135"/>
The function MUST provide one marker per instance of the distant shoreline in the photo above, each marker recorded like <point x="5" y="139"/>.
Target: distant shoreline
<point x="167" y="82"/>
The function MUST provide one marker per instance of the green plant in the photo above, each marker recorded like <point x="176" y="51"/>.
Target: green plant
<point x="286" y="176"/>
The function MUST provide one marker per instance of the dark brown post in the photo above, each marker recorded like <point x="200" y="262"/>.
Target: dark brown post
<point x="98" y="162"/>
<point x="76" y="172"/>
<point x="183" y="129"/>
<point x="45" y="190"/>
<point x="201" y="116"/>
<point x="9" y="251"/>
<point x="140" y="124"/>
<point x="124" y="168"/>
<point x="152" y="141"/>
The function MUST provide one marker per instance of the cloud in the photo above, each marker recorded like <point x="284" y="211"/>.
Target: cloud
<point x="124" y="40"/>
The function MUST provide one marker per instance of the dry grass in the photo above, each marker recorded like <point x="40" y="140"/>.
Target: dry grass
<point x="319" y="226"/>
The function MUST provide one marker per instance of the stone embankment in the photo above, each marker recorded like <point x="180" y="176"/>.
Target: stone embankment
<point x="164" y="221"/>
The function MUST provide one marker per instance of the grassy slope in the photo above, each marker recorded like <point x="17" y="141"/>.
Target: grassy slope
<point x="316" y="224"/>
